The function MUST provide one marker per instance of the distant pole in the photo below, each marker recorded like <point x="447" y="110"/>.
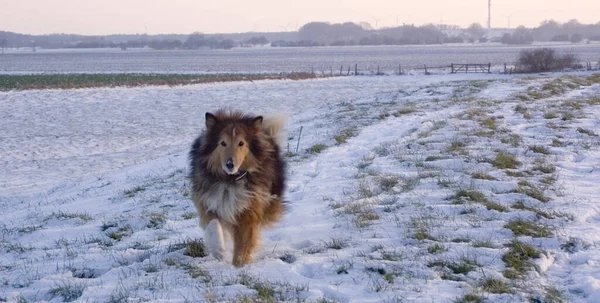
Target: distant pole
<point x="489" y="68"/>
<point x="348" y="70"/>
<point x="489" y="14"/>
<point x="505" y="71"/>
<point x="452" y="68"/>
<point x="355" y="69"/>
<point x="377" y="69"/>
<point x="399" y="69"/>
<point x="341" y="69"/>
<point x="331" y="69"/>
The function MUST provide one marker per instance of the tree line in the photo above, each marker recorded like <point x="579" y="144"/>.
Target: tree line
<point x="319" y="34"/>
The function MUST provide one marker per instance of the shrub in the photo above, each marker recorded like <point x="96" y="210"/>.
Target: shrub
<point x="544" y="60"/>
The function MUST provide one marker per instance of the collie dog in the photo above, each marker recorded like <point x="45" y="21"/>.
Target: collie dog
<point x="237" y="181"/>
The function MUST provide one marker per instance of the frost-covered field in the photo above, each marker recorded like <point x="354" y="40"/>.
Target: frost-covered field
<point x="274" y="59"/>
<point x="463" y="188"/>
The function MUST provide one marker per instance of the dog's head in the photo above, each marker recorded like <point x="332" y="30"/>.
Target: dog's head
<point x="234" y="140"/>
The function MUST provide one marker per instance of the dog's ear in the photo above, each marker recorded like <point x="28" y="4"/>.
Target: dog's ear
<point x="257" y="122"/>
<point x="211" y="120"/>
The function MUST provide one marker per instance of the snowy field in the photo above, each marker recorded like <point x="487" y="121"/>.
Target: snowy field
<point x="274" y="59"/>
<point x="455" y="188"/>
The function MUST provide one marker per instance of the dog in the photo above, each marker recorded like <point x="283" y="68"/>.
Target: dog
<point x="237" y="180"/>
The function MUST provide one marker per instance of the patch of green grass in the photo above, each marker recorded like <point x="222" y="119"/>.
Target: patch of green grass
<point x="521" y="227"/>
<point x="514" y="140"/>
<point x="189" y="215"/>
<point x="70" y="215"/>
<point x="388" y="182"/>
<point x="317" y="148"/>
<point x="504" y="160"/>
<point x="365" y="219"/>
<point x="463" y="267"/>
<point x="518" y="258"/>
<point x="539" y="149"/>
<point x="121" y="232"/>
<point x="337" y="243"/>
<point x="586" y="131"/>
<point x="470" y="298"/>
<point x="199" y="272"/>
<point x="558" y="143"/>
<point x="70" y="81"/>
<point x="546" y="168"/>
<point x="68" y="291"/>
<point x="550" y="115"/>
<point x="553" y="295"/>
<point x="533" y="192"/>
<point x="129" y="193"/>
<point x="457" y="147"/>
<point x="436" y="249"/>
<point x="345" y="134"/>
<point x="540" y="213"/>
<point x="404" y="111"/>
<point x="496" y="286"/>
<point x="471" y="195"/>
<point x="566" y="116"/>
<point x="489" y="122"/>
<point x="155" y="220"/>
<point x="515" y="173"/>
<point x="482" y="176"/>
<point x="195" y="248"/>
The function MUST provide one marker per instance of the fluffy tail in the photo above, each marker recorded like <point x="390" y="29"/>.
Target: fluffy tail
<point x="272" y="126"/>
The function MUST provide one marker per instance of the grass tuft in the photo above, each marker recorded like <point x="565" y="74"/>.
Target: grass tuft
<point x="521" y="227"/>
<point x="504" y="160"/>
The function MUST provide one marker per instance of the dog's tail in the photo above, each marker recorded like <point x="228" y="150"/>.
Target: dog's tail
<point x="273" y="126"/>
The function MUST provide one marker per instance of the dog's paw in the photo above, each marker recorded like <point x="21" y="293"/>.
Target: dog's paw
<point x="240" y="261"/>
<point x="214" y="239"/>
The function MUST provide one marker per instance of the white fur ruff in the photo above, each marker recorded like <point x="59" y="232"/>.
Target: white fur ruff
<point x="226" y="200"/>
<point x="214" y="239"/>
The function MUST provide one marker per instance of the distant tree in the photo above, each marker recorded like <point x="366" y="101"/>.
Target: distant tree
<point x="313" y="31"/>
<point x="576" y="38"/>
<point x="521" y="35"/>
<point x="195" y="41"/>
<point x="366" y="26"/>
<point x="476" y="31"/>
<point x="3" y="44"/>
<point x="257" y="41"/>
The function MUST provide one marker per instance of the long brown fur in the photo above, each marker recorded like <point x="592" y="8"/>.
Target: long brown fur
<point x="238" y="202"/>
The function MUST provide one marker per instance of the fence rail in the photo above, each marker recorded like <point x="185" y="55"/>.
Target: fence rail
<point x="453" y="68"/>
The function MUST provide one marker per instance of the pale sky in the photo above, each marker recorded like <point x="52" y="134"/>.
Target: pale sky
<point x="99" y="17"/>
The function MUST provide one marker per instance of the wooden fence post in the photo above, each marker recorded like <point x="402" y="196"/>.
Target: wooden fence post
<point x="489" y="68"/>
<point x="452" y="68"/>
<point x="377" y="69"/>
<point x="505" y="71"/>
<point x="348" y="70"/>
<point x="341" y="69"/>
<point x="426" y="73"/>
<point x="331" y="70"/>
<point x="399" y="69"/>
<point x="355" y="69"/>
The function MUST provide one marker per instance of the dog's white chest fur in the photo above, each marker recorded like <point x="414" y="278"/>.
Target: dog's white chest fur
<point x="226" y="200"/>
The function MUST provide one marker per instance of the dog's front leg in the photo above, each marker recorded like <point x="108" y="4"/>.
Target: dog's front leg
<point x="246" y="234"/>
<point x="214" y="238"/>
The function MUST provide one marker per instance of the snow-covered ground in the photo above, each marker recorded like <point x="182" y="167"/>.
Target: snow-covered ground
<point x="413" y="189"/>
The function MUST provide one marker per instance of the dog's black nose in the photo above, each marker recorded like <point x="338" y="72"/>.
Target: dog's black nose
<point x="229" y="164"/>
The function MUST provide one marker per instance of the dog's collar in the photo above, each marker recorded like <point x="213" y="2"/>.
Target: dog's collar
<point x="241" y="176"/>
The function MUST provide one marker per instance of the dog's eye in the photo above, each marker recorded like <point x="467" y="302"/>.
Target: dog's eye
<point x="223" y="143"/>
<point x="241" y="143"/>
